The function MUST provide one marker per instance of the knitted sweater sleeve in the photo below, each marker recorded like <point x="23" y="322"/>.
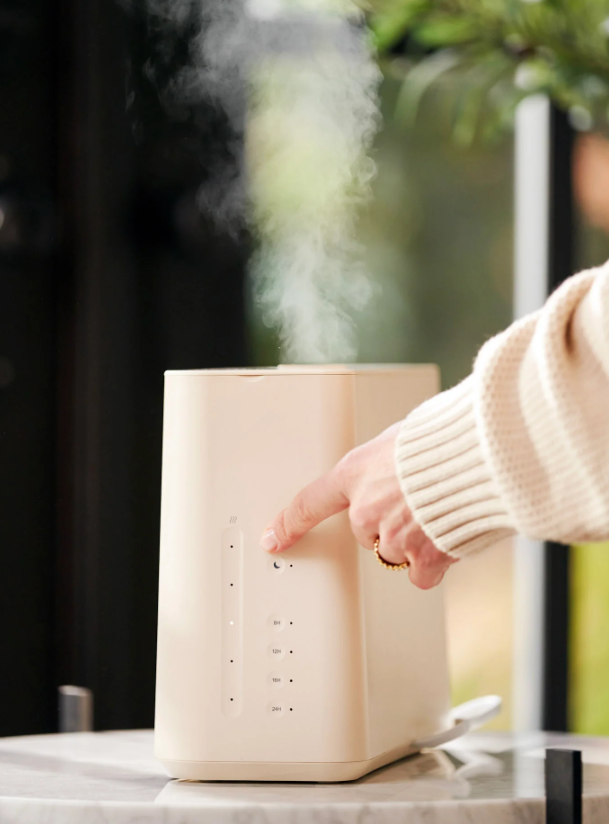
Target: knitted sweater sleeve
<point x="521" y="445"/>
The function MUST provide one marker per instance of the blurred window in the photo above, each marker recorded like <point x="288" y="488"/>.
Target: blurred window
<point x="589" y="636"/>
<point x="439" y="237"/>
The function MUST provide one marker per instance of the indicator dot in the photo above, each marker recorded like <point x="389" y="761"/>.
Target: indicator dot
<point x="231" y="623"/>
<point x="291" y="680"/>
<point x="290" y="707"/>
<point x="231" y="699"/>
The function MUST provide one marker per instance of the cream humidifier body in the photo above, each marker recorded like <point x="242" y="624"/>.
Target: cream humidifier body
<point x="313" y="665"/>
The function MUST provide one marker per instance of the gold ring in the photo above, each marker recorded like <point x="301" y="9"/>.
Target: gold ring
<point x="386" y="564"/>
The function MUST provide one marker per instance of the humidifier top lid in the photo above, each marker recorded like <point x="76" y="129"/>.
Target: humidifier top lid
<point x="304" y="369"/>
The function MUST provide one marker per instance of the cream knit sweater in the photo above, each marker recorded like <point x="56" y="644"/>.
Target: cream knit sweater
<point x="521" y="445"/>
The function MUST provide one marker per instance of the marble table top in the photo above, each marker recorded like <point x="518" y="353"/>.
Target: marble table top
<point x="112" y="777"/>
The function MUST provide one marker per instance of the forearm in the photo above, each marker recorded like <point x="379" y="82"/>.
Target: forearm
<point x="523" y="443"/>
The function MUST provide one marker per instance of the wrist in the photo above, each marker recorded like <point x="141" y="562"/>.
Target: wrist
<point x="445" y="476"/>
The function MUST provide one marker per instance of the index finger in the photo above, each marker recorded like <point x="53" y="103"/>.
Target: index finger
<point x="316" y="502"/>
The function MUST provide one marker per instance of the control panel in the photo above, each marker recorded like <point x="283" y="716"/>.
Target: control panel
<point x="277" y="652"/>
<point x="280" y="649"/>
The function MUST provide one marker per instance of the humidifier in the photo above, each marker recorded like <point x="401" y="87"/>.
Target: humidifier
<point x="313" y="665"/>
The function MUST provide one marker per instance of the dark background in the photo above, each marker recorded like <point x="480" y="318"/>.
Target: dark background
<point x="109" y="275"/>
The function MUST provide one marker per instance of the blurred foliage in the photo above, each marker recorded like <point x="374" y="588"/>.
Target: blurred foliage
<point x="504" y="50"/>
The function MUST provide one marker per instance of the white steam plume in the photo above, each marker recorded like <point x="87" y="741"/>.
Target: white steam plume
<point x="297" y="79"/>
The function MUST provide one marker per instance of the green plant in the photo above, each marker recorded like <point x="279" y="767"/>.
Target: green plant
<point x="503" y="51"/>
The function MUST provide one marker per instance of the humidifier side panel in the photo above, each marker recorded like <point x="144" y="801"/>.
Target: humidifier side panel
<point x="238" y="448"/>
<point x="407" y="674"/>
<point x="186" y="682"/>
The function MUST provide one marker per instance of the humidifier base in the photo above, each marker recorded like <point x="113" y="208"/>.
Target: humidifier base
<point x="323" y="772"/>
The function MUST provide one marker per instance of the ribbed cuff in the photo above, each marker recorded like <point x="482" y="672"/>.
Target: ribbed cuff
<point x="445" y="476"/>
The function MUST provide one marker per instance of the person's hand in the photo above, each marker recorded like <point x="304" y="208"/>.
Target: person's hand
<point x="365" y="482"/>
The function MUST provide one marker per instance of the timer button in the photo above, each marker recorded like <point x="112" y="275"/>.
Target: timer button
<point x="276" y="680"/>
<point x="276" y="623"/>
<point x="275" y="709"/>
<point x="276" y="652"/>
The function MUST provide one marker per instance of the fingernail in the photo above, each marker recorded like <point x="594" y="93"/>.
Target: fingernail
<point x="269" y="541"/>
